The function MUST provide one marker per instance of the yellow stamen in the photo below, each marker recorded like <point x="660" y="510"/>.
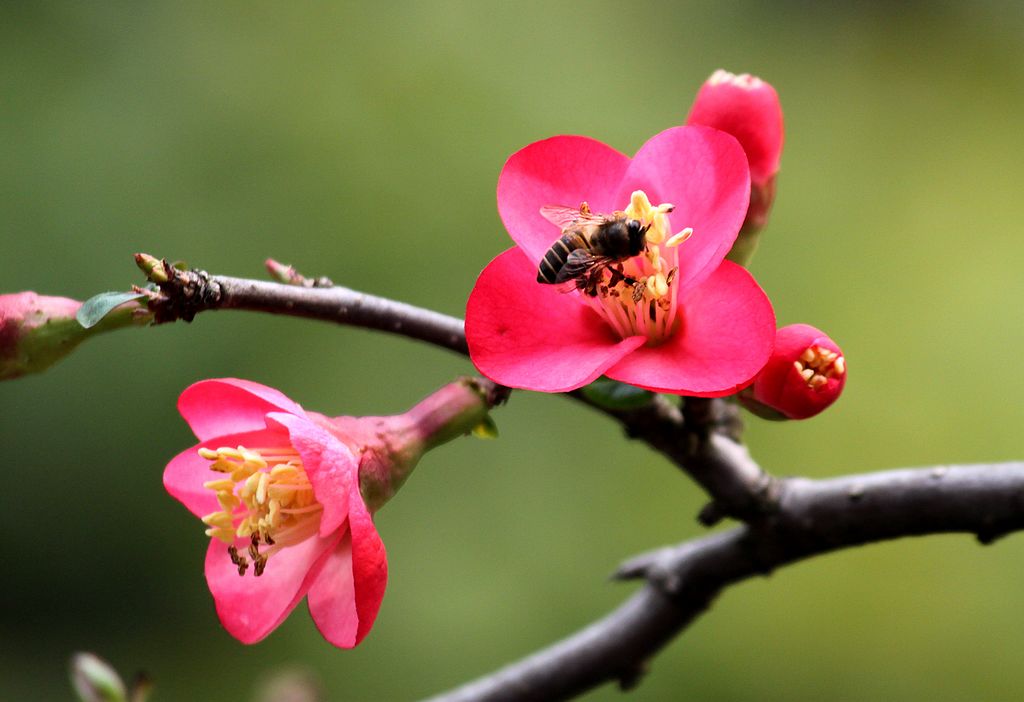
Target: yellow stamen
<point x="217" y="485"/>
<point x="225" y="535"/>
<point x="267" y="498"/>
<point x="677" y="239"/>
<point x="817" y="365"/>
<point x="218" y="519"/>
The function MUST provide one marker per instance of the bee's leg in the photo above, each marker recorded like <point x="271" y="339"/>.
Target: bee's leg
<point x="617" y="275"/>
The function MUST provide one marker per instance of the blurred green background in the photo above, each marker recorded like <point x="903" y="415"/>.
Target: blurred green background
<point x="364" y="142"/>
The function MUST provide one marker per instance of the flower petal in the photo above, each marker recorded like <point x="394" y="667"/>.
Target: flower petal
<point x="562" y="170"/>
<point x="332" y="597"/>
<point x="251" y="607"/>
<point x="346" y="595"/>
<point x="332" y="468"/>
<point x="230" y="405"/>
<point x="704" y="173"/>
<point x="726" y="337"/>
<point x="527" y="335"/>
<point x="186" y="473"/>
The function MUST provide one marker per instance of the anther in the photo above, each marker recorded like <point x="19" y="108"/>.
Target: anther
<point x="677" y="239"/>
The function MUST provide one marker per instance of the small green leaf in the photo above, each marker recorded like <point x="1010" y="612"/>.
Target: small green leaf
<point x="486" y="429"/>
<point x="99" y="306"/>
<point x="615" y="395"/>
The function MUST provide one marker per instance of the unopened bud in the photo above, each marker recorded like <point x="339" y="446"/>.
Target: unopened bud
<point x="282" y="272"/>
<point x="747" y="108"/>
<point x="154" y="268"/>
<point x="805" y="374"/>
<point x="36" y="331"/>
<point x="95" y="680"/>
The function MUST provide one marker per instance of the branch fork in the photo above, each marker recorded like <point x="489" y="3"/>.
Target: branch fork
<point x="784" y="520"/>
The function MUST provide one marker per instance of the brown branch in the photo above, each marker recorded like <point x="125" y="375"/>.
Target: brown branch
<point x="786" y="520"/>
<point x="812" y="517"/>
<point x="695" y="438"/>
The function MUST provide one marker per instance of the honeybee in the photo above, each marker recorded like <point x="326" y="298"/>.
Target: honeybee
<point x="590" y="244"/>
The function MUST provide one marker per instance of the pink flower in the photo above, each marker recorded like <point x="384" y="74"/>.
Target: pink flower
<point x="805" y="374"/>
<point x="677" y="319"/>
<point x="748" y="108"/>
<point x="36" y="331"/>
<point x="279" y="489"/>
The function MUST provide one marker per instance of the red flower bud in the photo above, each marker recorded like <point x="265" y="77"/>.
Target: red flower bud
<point x="747" y="108"/>
<point x="805" y="374"/>
<point x="36" y="331"/>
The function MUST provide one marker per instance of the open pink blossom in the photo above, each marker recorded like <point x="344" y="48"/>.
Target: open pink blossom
<point x="279" y="490"/>
<point x="748" y="108"/>
<point x="804" y="376"/>
<point x="678" y="319"/>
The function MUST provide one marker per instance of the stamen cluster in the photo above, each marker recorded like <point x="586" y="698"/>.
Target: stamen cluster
<point x="817" y="364"/>
<point x="266" y="497"/>
<point x="640" y="300"/>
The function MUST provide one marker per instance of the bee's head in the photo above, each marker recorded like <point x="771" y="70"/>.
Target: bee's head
<point x="637" y="236"/>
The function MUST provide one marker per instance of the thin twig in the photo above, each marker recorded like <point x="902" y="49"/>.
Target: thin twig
<point x="813" y="517"/>
<point x="698" y="443"/>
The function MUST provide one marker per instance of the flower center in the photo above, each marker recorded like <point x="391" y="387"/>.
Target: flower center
<point x="638" y="296"/>
<point x="817" y="364"/>
<point x="265" y="496"/>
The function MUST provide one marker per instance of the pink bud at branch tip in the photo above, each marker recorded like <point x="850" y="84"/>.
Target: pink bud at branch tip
<point x="805" y="374"/>
<point x="36" y="331"/>
<point x="747" y="108"/>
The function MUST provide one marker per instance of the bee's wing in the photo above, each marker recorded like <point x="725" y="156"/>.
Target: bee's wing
<point x="578" y="264"/>
<point x="565" y="217"/>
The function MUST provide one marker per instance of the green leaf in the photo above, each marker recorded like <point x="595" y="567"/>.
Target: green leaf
<point x="486" y="429"/>
<point x="612" y="394"/>
<point x="99" y="306"/>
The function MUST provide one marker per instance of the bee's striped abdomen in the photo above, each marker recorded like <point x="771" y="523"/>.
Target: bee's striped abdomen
<point x="557" y="255"/>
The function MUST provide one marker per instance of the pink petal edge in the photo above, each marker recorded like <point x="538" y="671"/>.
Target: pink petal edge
<point x="704" y="173"/>
<point x="523" y="334"/>
<point x="250" y="607"/>
<point x="332" y="468"/>
<point x="230" y="405"/>
<point x="562" y="170"/>
<point x="346" y="596"/>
